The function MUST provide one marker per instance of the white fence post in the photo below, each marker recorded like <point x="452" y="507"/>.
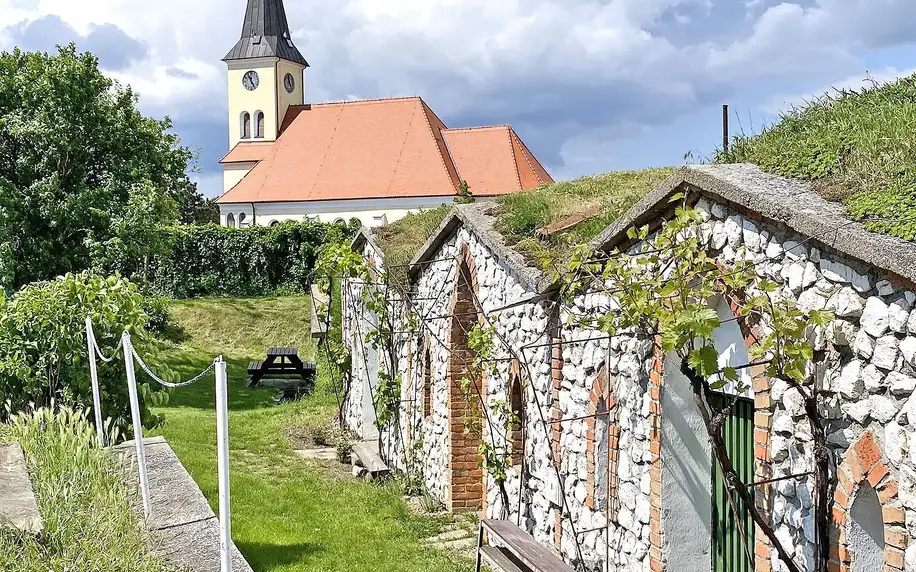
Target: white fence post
<point x="93" y="371"/>
<point x="137" y="421"/>
<point x="222" y="451"/>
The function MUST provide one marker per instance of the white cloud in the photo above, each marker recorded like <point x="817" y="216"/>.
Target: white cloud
<point x="778" y="103"/>
<point x="570" y="72"/>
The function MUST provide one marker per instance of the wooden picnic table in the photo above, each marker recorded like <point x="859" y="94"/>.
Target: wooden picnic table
<point x="285" y="370"/>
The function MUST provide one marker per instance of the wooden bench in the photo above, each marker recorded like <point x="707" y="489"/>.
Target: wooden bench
<point x="510" y="549"/>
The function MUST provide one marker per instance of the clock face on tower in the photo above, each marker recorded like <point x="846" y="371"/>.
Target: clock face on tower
<point x="250" y="80"/>
<point x="289" y="82"/>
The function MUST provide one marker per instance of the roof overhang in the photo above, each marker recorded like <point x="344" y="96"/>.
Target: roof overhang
<point x="785" y="202"/>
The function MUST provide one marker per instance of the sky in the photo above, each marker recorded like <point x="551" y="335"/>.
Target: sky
<point x="590" y="85"/>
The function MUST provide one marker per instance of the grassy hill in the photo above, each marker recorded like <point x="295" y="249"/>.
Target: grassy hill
<point x="858" y="147"/>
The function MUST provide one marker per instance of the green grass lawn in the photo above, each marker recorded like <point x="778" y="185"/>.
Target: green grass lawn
<point x="288" y="514"/>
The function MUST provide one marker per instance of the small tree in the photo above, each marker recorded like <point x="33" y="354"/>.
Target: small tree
<point x="661" y="289"/>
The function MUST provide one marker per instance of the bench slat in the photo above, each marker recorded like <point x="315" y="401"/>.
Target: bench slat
<point x="524" y="547"/>
<point x="497" y="559"/>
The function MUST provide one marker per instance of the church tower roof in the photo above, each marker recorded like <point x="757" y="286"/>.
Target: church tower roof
<point x="265" y="34"/>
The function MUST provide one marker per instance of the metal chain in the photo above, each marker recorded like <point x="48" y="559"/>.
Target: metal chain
<point x="161" y="381"/>
<point x="98" y="350"/>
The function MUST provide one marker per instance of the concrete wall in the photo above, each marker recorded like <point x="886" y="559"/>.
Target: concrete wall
<point x="370" y="212"/>
<point x="686" y="477"/>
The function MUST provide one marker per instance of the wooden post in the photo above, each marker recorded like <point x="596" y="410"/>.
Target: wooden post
<point x="725" y="127"/>
<point x="137" y="421"/>
<point x="479" y="547"/>
<point x="222" y="452"/>
<point x="93" y="372"/>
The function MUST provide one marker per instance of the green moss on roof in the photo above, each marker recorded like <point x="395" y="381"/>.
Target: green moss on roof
<point x="519" y="215"/>
<point x="858" y="147"/>
<point x="401" y="239"/>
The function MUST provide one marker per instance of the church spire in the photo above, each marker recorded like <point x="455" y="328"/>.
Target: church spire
<point x="265" y="34"/>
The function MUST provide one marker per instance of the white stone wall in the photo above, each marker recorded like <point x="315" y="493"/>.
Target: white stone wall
<point x="868" y="375"/>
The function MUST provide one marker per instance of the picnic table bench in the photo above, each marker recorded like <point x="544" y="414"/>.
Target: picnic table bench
<point x="511" y="549"/>
<point x="284" y="370"/>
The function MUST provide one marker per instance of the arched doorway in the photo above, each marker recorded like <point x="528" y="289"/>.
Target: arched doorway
<point x="466" y="485"/>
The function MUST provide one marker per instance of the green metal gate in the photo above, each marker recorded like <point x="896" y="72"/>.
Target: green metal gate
<point x="729" y="553"/>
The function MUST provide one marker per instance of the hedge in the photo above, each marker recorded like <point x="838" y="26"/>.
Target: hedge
<point x="211" y="260"/>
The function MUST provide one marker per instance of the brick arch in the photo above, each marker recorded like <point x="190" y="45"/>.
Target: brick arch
<point x="863" y="462"/>
<point x="466" y="480"/>
<point x="602" y="391"/>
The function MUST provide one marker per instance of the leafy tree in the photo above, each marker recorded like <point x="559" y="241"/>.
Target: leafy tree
<point x="73" y="146"/>
<point x="193" y="207"/>
<point x="43" y="352"/>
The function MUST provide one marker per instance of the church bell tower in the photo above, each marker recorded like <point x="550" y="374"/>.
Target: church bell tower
<point x="265" y="74"/>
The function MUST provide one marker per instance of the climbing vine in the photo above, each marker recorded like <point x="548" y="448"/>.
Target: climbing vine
<point x="661" y="289"/>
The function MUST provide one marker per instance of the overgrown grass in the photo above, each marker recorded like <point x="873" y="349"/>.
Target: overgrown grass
<point x="89" y="523"/>
<point x="858" y="146"/>
<point x="288" y="514"/>
<point x="401" y="239"/>
<point x="521" y="214"/>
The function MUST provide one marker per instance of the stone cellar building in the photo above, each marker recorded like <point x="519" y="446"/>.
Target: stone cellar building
<point x="610" y="465"/>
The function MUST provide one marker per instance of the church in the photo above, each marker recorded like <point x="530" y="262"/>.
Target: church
<point x="375" y="160"/>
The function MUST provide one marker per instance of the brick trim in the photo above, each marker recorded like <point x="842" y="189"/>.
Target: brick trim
<point x="602" y="391"/>
<point x="515" y="439"/>
<point x="863" y="462"/>
<point x="467" y="482"/>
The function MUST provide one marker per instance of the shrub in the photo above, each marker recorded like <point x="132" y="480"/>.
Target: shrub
<point x="43" y="353"/>
<point x="157" y="314"/>
<point x="83" y="497"/>
<point x="211" y="260"/>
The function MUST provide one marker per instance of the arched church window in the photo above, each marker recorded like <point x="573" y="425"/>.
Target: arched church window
<point x="246" y="125"/>
<point x="517" y="426"/>
<point x="230" y="220"/>
<point x="242" y="220"/>
<point x="259" y="124"/>
<point x="274" y="222"/>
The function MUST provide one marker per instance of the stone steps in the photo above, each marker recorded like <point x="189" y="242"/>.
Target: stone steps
<point x="455" y="538"/>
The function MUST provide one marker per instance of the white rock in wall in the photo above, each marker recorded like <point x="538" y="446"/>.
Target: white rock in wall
<point x="794" y="275"/>
<point x="719" y="236"/>
<point x="733" y="230"/>
<point x="843" y="274"/>
<point x="793" y="401"/>
<point x="908" y="350"/>
<point x="812" y="299"/>
<point x="795" y="250"/>
<point x="873" y="378"/>
<point x="849" y="383"/>
<point x="900" y="384"/>
<point x="911" y="323"/>
<point x="841" y="333"/>
<point x="886" y="351"/>
<point x="875" y="318"/>
<point x="883" y="408"/>
<point x="718" y="210"/>
<point x="859" y="410"/>
<point x="898" y="314"/>
<point x="752" y="236"/>
<point x="895" y="442"/>
<point x="846" y="303"/>
<point x="884" y="288"/>
<point x="864" y="345"/>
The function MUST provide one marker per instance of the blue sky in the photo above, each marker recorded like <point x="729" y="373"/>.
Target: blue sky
<point x="591" y="85"/>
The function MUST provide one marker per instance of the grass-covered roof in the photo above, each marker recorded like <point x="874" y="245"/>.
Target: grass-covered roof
<point x="855" y="146"/>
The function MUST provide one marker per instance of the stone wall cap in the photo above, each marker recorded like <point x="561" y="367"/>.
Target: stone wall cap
<point x="479" y="220"/>
<point x="18" y="505"/>
<point x="364" y="235"/>
<point x="787" y="201"/>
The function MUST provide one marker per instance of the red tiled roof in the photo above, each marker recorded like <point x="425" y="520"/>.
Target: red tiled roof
<point x="248" y="152"/>
<point x="386" y="148"/>
<point x="493" y="160"/>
